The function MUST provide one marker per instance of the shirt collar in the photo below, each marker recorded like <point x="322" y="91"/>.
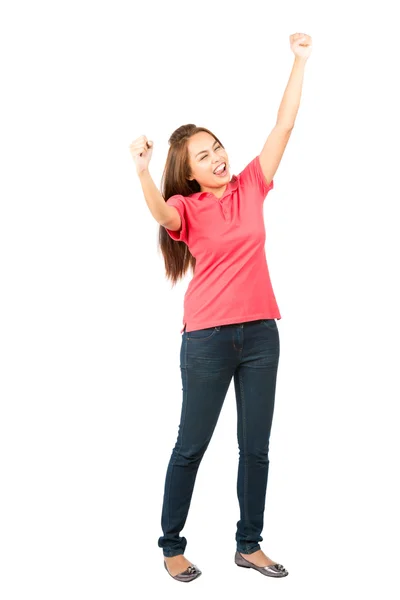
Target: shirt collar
<point x="232" y="185"/>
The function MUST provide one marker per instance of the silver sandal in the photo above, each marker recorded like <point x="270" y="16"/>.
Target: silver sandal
<point x="275" y="570"/>
<point x="192" y="572"/>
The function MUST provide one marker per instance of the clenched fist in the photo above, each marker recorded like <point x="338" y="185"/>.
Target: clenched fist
<point x="141" y="150"/>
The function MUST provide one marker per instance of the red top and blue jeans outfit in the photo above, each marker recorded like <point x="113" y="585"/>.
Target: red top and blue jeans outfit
<point x="229" y="331"/>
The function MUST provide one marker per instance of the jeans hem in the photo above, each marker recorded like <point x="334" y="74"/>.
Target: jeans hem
<point x="173" y="553"/>
<point x="248" y="549"/>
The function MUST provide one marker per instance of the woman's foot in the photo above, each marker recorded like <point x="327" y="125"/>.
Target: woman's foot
<point x="177" y="564"/>
<point x="261" y="563"/>
<point x="258" y="558"/>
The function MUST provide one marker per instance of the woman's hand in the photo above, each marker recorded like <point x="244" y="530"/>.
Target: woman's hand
<point x="301" y="45"/>
<point x="141" y="151"/>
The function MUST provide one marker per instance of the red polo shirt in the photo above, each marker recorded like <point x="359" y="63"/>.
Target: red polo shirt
<point x="231" y="282"/>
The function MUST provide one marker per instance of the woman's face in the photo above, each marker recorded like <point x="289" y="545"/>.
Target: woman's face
<point x="205" y="154"/>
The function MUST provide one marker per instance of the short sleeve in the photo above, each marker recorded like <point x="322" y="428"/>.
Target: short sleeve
<point x="178" y="202"/>
<point x="252" y="177"/>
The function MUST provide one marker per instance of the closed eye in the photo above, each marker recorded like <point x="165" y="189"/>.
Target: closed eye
<point x="206" y="154"/>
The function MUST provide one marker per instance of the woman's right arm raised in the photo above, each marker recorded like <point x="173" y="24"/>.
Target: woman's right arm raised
<point x="167" y="216"/>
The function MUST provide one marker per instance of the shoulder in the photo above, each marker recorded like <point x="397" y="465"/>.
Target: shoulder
<point x="176" y="199"/>
<point x="252" y="177"/>
<point x="250" y="171"/>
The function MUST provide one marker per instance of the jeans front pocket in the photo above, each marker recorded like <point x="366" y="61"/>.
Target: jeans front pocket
<point x="202" y="334"/>
<point x="270" y="323"/>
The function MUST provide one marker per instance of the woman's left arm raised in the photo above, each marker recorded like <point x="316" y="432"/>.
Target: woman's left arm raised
<point x="274" y="147"/>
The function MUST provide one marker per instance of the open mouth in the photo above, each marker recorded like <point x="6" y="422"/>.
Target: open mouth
<point x="220" y="171"/>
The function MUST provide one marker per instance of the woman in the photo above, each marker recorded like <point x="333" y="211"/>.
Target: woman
<point x="214" y="224"/>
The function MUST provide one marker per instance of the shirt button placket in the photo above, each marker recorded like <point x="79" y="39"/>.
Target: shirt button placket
<point x="224" y="210"/>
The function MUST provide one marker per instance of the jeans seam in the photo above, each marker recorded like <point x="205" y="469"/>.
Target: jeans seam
<point x="181" y="436"/>
<point x="245" y="483"/>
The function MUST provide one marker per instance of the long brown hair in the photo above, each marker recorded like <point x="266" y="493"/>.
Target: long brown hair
<point x="177" y="256"/>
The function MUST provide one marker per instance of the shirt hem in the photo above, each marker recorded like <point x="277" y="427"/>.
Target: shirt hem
<point x="231" y="321"/>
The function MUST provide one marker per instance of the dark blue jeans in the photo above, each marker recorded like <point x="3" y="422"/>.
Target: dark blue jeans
<point x="209" y="359"/>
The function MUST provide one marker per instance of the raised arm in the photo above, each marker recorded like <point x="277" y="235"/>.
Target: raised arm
<point x="141" y="150"/>
<point x="159" y="209"/>
<point x="274" y="147"/>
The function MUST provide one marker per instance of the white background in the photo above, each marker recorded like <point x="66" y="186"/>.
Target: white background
<point x="90" y="327"/>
